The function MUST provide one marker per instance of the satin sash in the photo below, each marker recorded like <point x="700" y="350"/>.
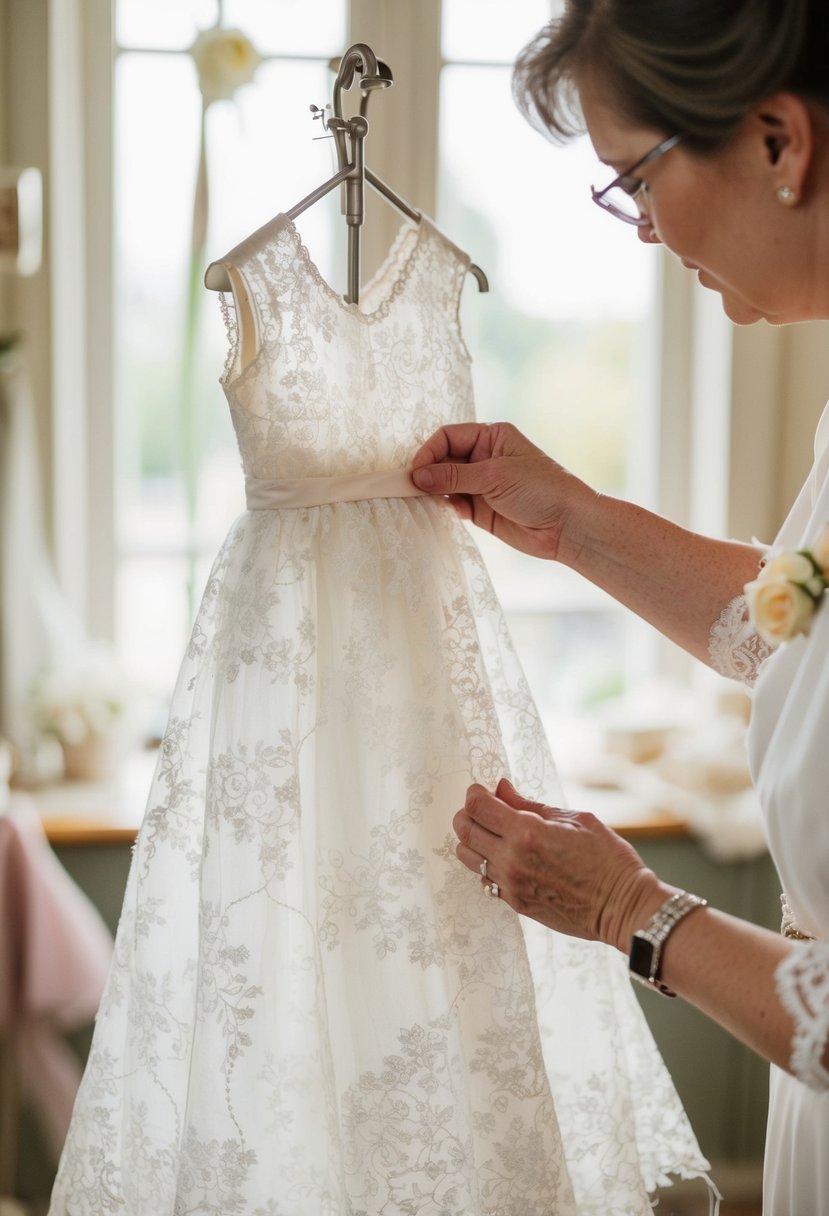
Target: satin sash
<point x="264" y="494"/>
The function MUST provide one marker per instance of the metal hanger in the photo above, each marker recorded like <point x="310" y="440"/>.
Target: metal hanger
<point x="349" y="136"/>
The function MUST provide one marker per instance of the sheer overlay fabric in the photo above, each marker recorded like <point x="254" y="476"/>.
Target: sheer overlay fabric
<point x="313" y="1007"/>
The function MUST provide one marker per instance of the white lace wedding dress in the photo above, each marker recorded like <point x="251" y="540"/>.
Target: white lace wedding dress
<point x="314" y="1009"/>
<point x="789" y="759"/>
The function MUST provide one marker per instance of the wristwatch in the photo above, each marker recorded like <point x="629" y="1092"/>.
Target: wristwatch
<point x="646" y="944"/>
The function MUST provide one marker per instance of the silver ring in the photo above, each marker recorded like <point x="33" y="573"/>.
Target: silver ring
<point x="492" y="889"/>
<point x="482" y="868"/>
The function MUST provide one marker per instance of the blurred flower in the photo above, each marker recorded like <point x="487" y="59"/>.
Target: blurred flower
<point x="225" y="60"/>
<point x="785" y="595"/>
<point x="779" y="608"/>
<point x="86" y="696"/>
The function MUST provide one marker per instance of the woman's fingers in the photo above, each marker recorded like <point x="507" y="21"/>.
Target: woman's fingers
<point x="565" y="869"/>
<point x="485" y="817"/>
<point x="461" y="441"/>
<point x="480" y="820"/>
<point x="459" y="459"/>
<point x="471" y="823"/>
<point x="507" y="792"/>
<point x="472" y="861"/>
<point x="449" y="478"/>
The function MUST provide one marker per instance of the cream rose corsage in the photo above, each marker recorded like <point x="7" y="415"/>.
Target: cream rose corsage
<point x="784" y="597"/>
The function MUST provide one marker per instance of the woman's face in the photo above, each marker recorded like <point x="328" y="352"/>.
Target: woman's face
<point x="718" y="213"/>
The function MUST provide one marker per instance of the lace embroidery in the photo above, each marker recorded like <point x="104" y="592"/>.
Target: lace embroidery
<point x="735" y="649"/>
<point x="802" y="981"/>
<point x="401" y="257"/>
<point x="312" y="1008"/>
<point x="232" y="331"/>
<point x="788" y="924"/>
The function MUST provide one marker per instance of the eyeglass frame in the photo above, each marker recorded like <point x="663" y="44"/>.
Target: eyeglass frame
<point x="628" y="175"/>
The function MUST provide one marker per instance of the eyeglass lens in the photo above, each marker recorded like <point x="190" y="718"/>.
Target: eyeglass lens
<point x="620" y="201"/>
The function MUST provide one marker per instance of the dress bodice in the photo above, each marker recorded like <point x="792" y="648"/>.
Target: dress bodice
<point x="329" y="387"/>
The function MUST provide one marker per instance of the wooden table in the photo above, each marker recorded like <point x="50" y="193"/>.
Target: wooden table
<point x="110" y="812"/>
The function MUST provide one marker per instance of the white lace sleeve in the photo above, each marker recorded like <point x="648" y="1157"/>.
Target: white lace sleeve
<point x="735" y="649"/>
<point x="803" y="987"/>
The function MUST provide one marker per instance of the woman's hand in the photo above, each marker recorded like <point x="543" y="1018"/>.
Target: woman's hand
<point x="567" y="870"/>
<point x="494" y="476"/>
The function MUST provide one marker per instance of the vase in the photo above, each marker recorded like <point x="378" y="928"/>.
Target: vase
<point x="94" y="759"/>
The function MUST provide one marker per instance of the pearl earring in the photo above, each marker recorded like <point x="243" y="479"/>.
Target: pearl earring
<point x="785" y="194"/>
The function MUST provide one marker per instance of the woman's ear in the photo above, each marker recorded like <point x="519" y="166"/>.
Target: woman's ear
<point x="784" y="125"/>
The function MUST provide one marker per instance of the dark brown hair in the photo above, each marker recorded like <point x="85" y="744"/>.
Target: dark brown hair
<point x="691" y="67"/>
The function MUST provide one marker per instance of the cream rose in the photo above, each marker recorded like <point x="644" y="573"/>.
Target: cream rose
<point x="793" y="566"/>
<point x="779" y="608"/>
<point x="225" y="59"/>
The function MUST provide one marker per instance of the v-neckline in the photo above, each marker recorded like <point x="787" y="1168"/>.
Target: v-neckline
<point x="407" y="232"/>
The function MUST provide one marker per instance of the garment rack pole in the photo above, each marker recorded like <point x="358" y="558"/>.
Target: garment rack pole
<point x="349" y="135"/>
<point x="358" y="59"/>
<point x="375" y="74"/>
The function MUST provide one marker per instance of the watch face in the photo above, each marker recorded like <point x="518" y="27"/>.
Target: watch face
<point x="641" y="956"/>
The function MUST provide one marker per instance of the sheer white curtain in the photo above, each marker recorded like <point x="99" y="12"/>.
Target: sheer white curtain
<point x="37" y="627"/>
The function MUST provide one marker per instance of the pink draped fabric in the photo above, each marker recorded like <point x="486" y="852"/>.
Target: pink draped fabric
<point x="54" y="955"/>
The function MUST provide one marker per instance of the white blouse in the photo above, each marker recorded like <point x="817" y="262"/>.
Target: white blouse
<point x="788" y="746"/>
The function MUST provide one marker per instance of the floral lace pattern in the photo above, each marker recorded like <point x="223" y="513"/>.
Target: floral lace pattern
<point x="349" y="389"/>
<point x="312" y="1006"/>
<point x="788" y="922"/>
<point x="735" y="648"/>
<point x="802" y="981"/>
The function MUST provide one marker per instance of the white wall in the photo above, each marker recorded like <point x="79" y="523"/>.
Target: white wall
<point x="805" y="389"/>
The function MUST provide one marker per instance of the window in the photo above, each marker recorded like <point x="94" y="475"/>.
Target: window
<point x="179" y="483"/>
<point x="558" y="344"/>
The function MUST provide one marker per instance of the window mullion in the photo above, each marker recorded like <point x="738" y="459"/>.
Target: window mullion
<point x="402" y="145"/>
<point x="101" y="432"/>
<point x="67" y="206"/>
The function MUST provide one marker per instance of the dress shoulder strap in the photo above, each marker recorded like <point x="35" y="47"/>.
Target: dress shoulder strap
<point x="444" y="270"/>
<point x="257" y="270"/>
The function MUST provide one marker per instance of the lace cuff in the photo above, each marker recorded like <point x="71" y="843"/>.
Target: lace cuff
<point x="802" y="981"/>
<point x="735" y="649"/>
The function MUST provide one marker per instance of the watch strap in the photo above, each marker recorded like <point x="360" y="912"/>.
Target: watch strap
<point x="647" y="943"/>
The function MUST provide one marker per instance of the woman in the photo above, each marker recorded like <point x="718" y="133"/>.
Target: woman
<point x="716" y="119"/>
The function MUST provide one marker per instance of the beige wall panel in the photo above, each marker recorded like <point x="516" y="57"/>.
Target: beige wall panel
<point x="805" y="391"/>
<point x="26" y="123"/>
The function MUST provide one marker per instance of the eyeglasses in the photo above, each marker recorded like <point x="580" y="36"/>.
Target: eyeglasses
<point x="619" y="198"/>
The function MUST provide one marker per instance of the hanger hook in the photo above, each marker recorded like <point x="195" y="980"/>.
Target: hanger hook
<point x="374" y="74"/>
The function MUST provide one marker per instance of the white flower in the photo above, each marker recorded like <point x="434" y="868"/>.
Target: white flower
<point x="87" y="695"/>
<point x="820" y="551"/>
<point x="779" y="608"/>
<point x="794" y="566"/>
<point x="225" y="60"/>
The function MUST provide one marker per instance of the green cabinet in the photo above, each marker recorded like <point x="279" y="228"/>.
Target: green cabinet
<point x="723" y="1084"/>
